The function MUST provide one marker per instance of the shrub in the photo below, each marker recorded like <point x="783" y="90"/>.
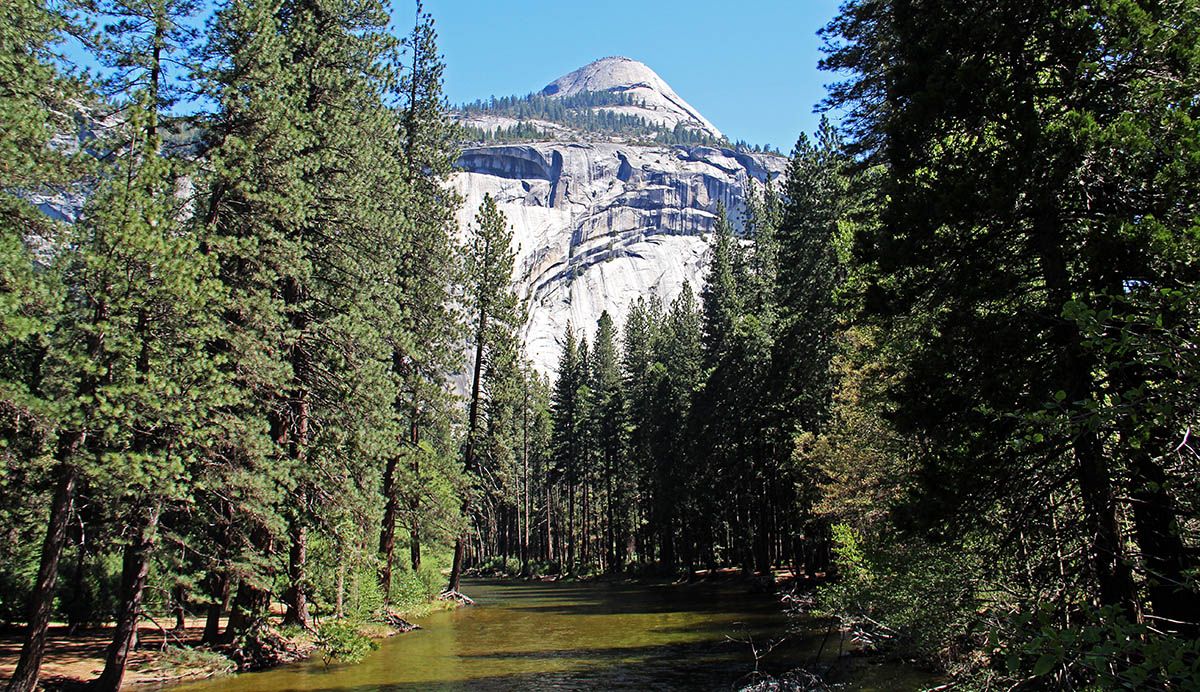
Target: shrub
<point x="1103" y="648"/>
<point x="908" y="597"/>
<point x="186" y="662"/>
<point x="341" y="641"/>
<point x="413" y="588"/>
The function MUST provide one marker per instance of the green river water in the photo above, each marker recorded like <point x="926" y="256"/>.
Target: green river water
<point x="579" y="636"/>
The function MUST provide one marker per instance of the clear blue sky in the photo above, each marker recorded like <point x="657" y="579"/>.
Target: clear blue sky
<point x="749" y="66"/>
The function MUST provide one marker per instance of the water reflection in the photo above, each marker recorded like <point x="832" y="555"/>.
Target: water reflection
<point x="549" y="636"/>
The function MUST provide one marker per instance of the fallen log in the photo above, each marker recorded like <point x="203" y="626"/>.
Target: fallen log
<point x="398" y="623"/>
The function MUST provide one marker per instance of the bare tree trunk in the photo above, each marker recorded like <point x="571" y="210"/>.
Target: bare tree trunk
<point x="610" y="538"/>
<point x="25" y="677"/>
<point x="387" y="529"/>
<point x="570" y="538"/>
<point x="78" y="608"/>
<point x="414" y="533"/>
<point x="549" y="524"/>
<point x="526" y="503"/>
<point x="250" y="607"/>
<point x="220" y="593"/>
<point x="469" y="450"/>
<point x="135" y="569"/>
<point x="295" y="597"/>
<point x="179" y="596"/>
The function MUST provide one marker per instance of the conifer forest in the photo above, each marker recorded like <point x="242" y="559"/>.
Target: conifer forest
<point x="937" y="386"/>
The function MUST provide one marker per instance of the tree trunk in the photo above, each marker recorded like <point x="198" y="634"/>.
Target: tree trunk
<point x="469" y="449"/>
<point x="1113" y="577"/>
<point x="179" y="596"/>
<point x="387" y="529"/>
<point x="296" y="597"/>
<point x="134" y="570"/>
<point x="571" y="527"/>
<point x="549" y="525"/>
<point x="220" y="592"/>
<point x="414" y="533"/>
<point x="25" y="677"/>
<point x="78" y="609"/>
<point x="610" y="539"/>
<point x="1165" y="556"/>
<point x="526" y="502"/>
<point x="296" y="438"/>
<point x="250" y="608"/>
<point x="762" y="536"/>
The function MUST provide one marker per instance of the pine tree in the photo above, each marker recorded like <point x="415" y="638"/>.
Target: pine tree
<point x="252" y="195"/>
<point x="807" y="285"/>
<point x="808" y="278"/>
<point x="717" y="462"/>
<point x="493" y="311"/>
<point x="678" y="376"/>
<point x="608" y="435"/>
<point x="312" y="238"/>
<point x="639" y="341"/>
<point x="565" y="441"/>
<point x="1031" y="180"/>
<point x="426" y="337"/>
<point x="32" y="93"/>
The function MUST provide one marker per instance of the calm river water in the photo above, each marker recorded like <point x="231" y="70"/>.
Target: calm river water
<point x="573" y="636"/>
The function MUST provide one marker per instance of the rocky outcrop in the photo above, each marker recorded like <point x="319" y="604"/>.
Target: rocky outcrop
<point x="598" y="224"/>
<point x="656" y="101"/>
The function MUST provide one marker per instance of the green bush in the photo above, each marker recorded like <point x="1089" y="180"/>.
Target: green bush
<point x="341" y="641"/>
<point x="907" y="597"/>
<point x="541" y="568"/>
<point x="413" y="588"/>
<point x="501" y="566"/>
<point x="1104" y="648"/>
<point x="180" y="661"/>
<point x="364" y="597"/>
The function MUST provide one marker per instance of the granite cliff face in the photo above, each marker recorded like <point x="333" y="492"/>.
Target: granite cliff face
<point x="657" y="101"/>
<point x="597" y="221"/>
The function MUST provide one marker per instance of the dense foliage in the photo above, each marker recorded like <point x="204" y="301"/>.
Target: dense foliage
<point x="589" y="111"/>
<point x="946" y="370"/>
<point x="226" y="383"/>
<point x="1020" y="317"/>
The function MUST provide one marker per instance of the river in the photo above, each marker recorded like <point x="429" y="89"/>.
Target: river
<point x="594" y="635"/>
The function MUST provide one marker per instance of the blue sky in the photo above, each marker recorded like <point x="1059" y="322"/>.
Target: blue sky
<point x="750" y="66"/>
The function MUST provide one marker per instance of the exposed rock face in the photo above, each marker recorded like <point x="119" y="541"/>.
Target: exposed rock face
<point x="658" y="101"/>
<point x="599" y="219"/>
<point x="598" y="224"/>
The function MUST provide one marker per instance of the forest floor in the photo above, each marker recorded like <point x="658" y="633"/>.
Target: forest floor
<point x="71" y="661"/>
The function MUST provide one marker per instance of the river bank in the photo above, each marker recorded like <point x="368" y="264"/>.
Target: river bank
<point x="716" y="631"/>
<point x="584" y="635"/>
<point x="170" y="656"/>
